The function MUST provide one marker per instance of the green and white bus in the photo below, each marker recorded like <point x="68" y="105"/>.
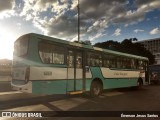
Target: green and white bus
<point x="46" y="65"/>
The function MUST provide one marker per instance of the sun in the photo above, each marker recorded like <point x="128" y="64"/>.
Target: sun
<point x="7" y="39"/>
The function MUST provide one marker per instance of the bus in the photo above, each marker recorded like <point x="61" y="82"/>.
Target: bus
<point x="154" y="71"/>
<point x="46" y="65"/>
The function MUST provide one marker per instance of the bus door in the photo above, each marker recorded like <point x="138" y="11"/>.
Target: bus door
<point x="75" y="71"/>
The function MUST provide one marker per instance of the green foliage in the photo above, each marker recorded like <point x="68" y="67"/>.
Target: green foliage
<point x="83" y="42"/>
<point x="128" y="46"/>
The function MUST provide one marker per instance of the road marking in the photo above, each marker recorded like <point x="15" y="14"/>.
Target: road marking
<point x="115" y="93"/>
<point x="16" y="118"/>
<point x="37" y="107"/>
<point x="11" y="92"/>
<point x="63" y="105"/>
<point x="68" y="103"/>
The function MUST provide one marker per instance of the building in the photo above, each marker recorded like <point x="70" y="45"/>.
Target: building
<point x="5" y="67"/>
<point x="153" y="45"/>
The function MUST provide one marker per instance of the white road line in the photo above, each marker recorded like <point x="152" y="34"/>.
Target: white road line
<point x="10" y="92"/>
<point x="16" y="118"/>
<point x="38" y="107"/>
<point x="65" y="104"/>
<point x="68" y="103"/>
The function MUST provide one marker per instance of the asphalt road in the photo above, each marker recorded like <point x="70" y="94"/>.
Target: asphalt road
<point x="111" y="102"/>
<point x="5" y="83"/>
<point x="5" y="86"/>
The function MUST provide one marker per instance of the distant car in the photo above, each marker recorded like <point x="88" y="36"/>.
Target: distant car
<point x="154" y="78"/>
<point x="155" y="74"/>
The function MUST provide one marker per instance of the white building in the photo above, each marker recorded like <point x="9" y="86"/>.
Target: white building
<point x="153" y="45"/>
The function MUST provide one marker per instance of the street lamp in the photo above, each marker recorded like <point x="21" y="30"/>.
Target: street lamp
<point x="78" y="21"/>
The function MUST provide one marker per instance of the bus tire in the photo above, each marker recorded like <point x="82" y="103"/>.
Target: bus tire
<point x="96" y="88"/>
<point x="139" y="84"/>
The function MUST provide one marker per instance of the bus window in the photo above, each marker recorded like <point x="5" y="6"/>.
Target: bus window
<point x="94" y="59"/>
<point x="133" y="63"/>
<point x="119" y="62"/>
<point x="51" y="53"/>
<point x="128" y="63"/>
<point x="45" y="51"/>
<point x="140" y="64"/>
<point x="58" y="55"/>
<point x="21" y="47"/>
<point x="106" y="60"/>
<point x="113" y="61"/>
<point x="79" y="60"/>
<point x="70" y="59"/>
<point x="109" y="61"/>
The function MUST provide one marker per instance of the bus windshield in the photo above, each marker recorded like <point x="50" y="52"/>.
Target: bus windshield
<point x="21" y="47"/>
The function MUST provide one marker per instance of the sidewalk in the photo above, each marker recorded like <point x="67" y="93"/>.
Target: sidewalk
<point x="5" y="83"/>
<point x="5" y="78"/>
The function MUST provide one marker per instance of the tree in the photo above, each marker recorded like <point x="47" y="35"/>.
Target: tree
<point x="112" y="45"/>
<point x="128" y="46"/>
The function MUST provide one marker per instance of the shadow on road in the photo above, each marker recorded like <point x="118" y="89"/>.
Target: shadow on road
<point x="5" y="86"/>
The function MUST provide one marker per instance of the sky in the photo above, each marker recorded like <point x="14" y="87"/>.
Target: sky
<point x="100" y="20"/>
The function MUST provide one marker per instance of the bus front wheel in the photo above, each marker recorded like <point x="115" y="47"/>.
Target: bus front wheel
<point x="96" y="88"/>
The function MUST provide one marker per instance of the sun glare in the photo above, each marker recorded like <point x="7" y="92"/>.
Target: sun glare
<point x="7" y="39"/>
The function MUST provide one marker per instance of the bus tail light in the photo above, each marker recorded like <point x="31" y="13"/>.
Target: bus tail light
<point x="27" y="74"/>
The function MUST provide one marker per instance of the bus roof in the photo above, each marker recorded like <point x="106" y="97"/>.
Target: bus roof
<point x="43" y="37"/>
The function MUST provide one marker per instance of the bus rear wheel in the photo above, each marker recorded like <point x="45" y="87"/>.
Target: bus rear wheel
<point x="96" y="88"/>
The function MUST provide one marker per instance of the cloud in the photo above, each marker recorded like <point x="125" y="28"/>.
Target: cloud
<point x="7" y="39"/>
<point x="50" y="16"/>
<point x="6" y="5"/>
<point x="6" y="8"/>
<point x="94" y="37"/>
<point x="58" y="18"/>
<point x="43" y="5"/>
<point x="19" y="25"/>
<point x="129" y="17"/>
<point x="117" y="32"/>
<point x="37" y="7"/>
<point x="138" y="30"/>
<point x="94" y="9"/>
<point x="62" y="22"/>
<point x="137" y="15"/>
<point x="155" y="31"/>
<point x="62" y="26"/>
<point x="147" y="4"/>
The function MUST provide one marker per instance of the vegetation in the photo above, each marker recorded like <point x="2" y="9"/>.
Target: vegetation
<point x="87" y="42"/>
<point x="128" y="46"/>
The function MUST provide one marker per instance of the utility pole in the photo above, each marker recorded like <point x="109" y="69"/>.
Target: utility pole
<point x="78" y="21"/>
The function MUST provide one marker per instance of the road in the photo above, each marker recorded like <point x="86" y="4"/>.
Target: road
<point x="115" y="100"/>
<point x="5" y="83"/>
